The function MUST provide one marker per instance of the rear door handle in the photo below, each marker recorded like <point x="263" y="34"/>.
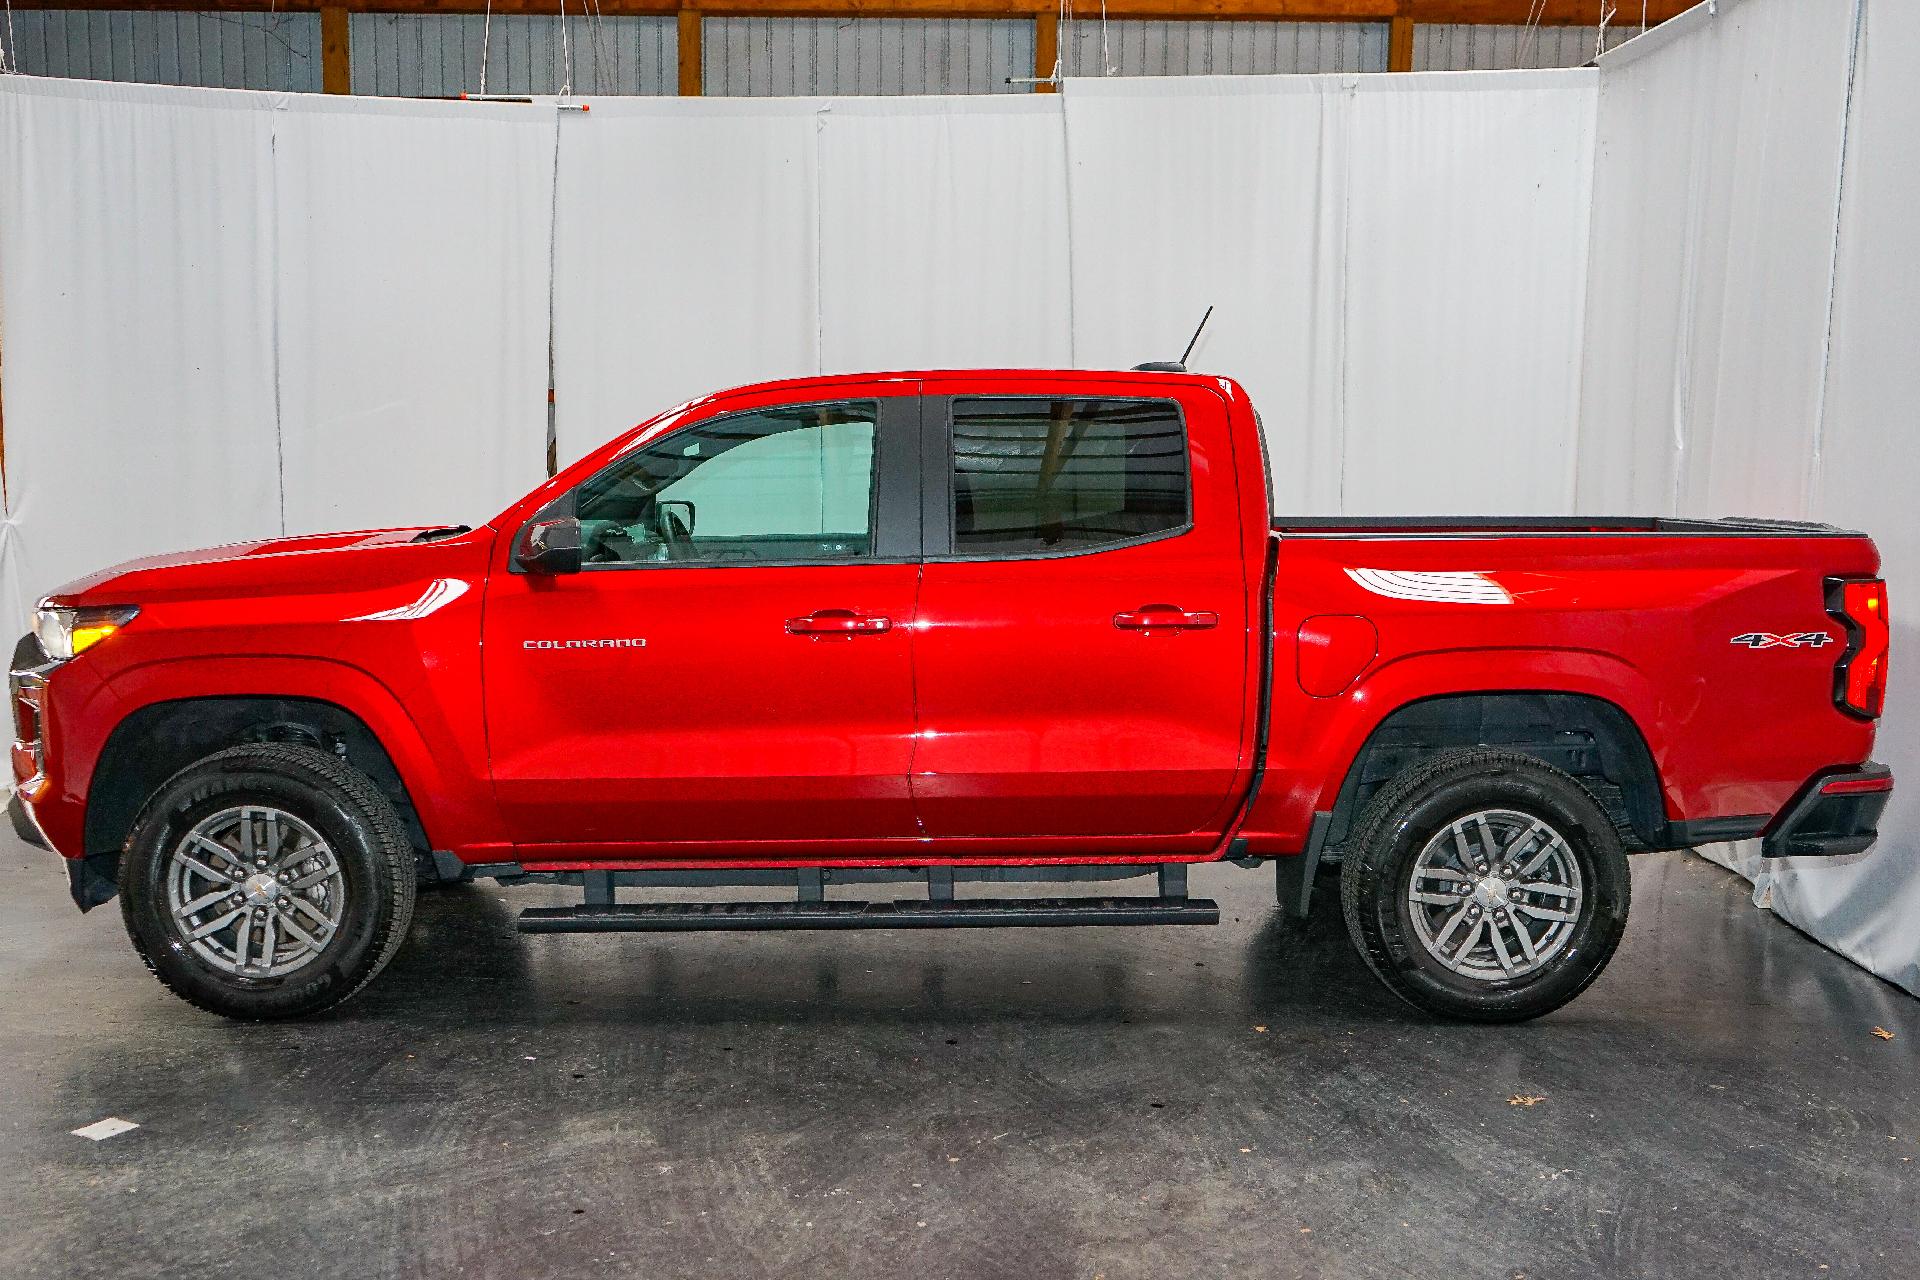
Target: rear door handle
<point x="843" y="624"/>
<point x="1165" y="617"/>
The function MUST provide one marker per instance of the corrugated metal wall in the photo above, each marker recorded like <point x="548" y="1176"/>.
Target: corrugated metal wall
<point x="438" y="55"/>
<point x="414" y="55"/>
<point x="1203" y="47"/>
<point x="278" y="51"/>
<point x="779" y="57"/>
<point x="1440" y="47"/>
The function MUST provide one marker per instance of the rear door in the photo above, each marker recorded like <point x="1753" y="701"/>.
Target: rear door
<point x="1081" y="633"/>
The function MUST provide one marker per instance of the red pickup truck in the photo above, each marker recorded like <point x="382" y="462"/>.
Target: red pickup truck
<point x="953" y="629"/>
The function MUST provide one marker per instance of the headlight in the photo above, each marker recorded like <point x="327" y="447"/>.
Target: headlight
<point x="65" y="633"/>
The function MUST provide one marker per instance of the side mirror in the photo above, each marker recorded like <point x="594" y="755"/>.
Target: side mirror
<point x="550" y="547"/>
<point x="680" y="508"/>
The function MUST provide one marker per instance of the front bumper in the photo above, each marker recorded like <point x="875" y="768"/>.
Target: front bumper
<point x="91" y="880"/>
<point x="1837" y="812"/>
<point x="25" y="825"/>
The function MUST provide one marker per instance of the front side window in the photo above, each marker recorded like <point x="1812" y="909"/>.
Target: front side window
<point x="784" y="484"/>
<point x="1035" y="476"/>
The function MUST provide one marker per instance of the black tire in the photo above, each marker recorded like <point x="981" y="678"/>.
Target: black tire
<point x="369" y="842"/>
<point x="1422" y="803"/>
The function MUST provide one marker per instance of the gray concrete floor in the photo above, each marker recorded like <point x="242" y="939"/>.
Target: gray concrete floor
<point x="1237" y="1101"/>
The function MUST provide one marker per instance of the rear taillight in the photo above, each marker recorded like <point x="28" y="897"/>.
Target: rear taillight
<point x="1860" y="677"/>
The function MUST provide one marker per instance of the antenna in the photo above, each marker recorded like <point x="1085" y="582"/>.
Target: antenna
<point x="1180" y="365"/>
<point x="1196" y="336"/>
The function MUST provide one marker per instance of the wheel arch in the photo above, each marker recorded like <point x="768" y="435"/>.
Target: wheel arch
<point x="1590" y="737"/>
<point x="157" y="740"/>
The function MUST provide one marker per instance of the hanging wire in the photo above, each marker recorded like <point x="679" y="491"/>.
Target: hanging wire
<point x="1606" y="15"/>
<point x="10" y="47"/>
<point x="1106" y="55"/>
<point x="486" y="47"/>
<point x="566" y="55"/>
<point x="1530" y="33"/>
<point x="1069" y="35"/>
<point x="602" y="50"/>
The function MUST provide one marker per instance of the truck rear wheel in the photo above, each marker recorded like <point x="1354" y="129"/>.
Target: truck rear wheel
<point x="1485" y="885"/>
<point x="267" y="881"/>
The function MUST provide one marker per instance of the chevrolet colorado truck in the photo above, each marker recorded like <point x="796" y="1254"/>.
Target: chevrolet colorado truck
<point x="956" y="630"/>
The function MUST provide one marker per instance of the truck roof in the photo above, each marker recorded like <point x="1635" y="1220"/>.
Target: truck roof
<point x="1065" y="376"/>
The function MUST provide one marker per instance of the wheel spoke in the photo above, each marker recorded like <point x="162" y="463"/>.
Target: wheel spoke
<point x="1453" y="922"/>
<point x="326" y="871"/>
<point x="1519" y="842"/>
<point x="201" y="868"/>
<point x="1548" y="886"/>
<point x="243" y="936"/>
<point x="1442" y="873"/>
<point x="214" y="925"/>
<point x="1545" y="913"/>
<point x="1489" y="847"/>
<point x="318" y="917"/>
<point x="1500" y="947"/>
<point x="1460" y="847"/>
<point x="1461" y="952"/>
<point x="200" y="904"/>
<point x="292" y="926"/>
<point x="297" y="847"/>
<point x="1553" y="845"/>
<point x="1527" y="947"/>
<point x="268" y="943"/>
<point x="246" y="833"/>
<point x="1431" y="899"/>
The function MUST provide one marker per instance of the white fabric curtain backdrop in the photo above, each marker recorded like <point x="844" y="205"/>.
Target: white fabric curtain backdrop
<point x="232" y="315"/>
<point x="1864" y="451"/>
<point x="135" y="232"/>
<point x="1226" y="192"/>
<point x="1715" y="194"/>
<point x="1396" y="266"/>
<point x="707" y="243"/>
<point x="687" y="258"/>
<point x="1725" y="240"/>
<point x="943" y="234"/>
<point x="411" y="247"/>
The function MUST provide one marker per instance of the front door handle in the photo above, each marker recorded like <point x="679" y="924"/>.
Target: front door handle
<point x="842" y="624"/>
<point x="1165" y="617"/>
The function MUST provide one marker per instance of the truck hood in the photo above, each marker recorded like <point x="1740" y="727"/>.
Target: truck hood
<point x="314" y="561"/>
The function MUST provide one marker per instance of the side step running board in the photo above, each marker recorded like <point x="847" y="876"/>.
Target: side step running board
<point x="974" y="913"/>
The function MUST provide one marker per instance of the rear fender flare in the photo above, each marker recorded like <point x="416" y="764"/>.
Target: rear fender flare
<point x="1402" y="682"/>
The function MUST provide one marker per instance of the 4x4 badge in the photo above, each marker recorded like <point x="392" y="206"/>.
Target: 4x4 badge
<point x="1798" y="640"/>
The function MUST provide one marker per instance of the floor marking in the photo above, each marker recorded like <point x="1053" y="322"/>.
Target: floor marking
<point x="100" y="1130"/>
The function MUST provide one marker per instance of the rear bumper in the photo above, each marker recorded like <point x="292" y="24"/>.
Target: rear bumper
<point x="1837" y="812"/>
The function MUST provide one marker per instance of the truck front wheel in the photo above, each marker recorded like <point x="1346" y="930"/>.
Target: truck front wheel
<point x="1485" y="885"/>
<point x="267" y="881"/>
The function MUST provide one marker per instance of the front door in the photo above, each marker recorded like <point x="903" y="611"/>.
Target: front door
<point x="1083" y="644"/>
<point x="732" y="663"/>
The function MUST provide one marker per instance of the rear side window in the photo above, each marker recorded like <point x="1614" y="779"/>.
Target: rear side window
<point x="1065" y="475"/>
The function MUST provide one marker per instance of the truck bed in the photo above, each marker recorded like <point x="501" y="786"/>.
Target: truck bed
<point x="1713" y="638"/>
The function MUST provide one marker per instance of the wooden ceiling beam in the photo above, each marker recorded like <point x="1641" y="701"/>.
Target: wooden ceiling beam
<point x="1486" y="12"/>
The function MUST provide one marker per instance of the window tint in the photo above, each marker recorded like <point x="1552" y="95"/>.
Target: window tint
<point x="793" y="483"/>
<point x="1064" y="475"/>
